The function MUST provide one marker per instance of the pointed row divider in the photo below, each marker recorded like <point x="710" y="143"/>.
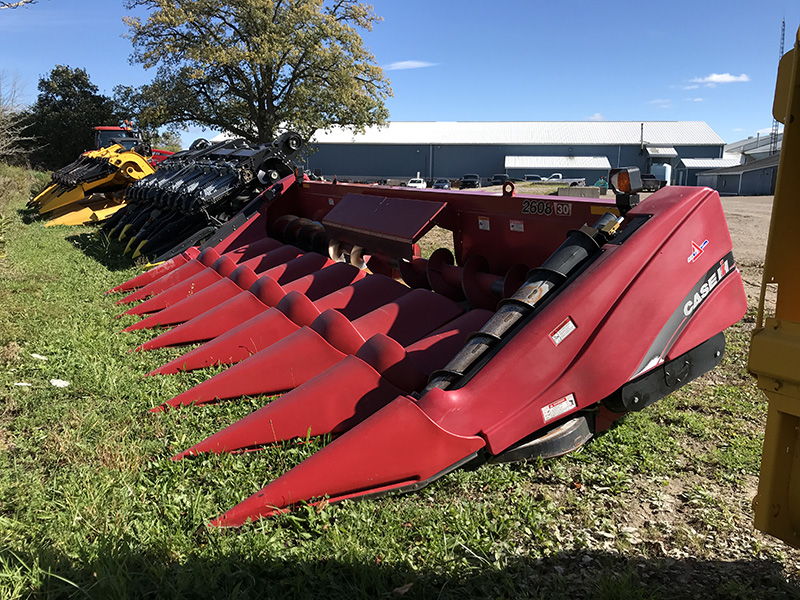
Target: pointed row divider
<point x="222" y="267"/>
<point x="295" y="359"/>
<point x="399" y="447"/>
<point x="242" y="278"/>
<point x="293" y="311"/>
<point x="262" y="295"/>
<point x="347" y="393"/>
<point x="156" y="272"/>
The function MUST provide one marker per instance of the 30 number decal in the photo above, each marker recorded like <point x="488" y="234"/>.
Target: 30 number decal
<point x="546" y="208"/>
<point x="563" y="209"/>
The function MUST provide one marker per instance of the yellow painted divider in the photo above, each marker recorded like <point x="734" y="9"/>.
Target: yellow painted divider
<point x="775" y="346"/>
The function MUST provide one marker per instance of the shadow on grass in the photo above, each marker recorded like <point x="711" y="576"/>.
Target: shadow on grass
<point x="97" y="246"/>
<point x="29" y="215"/>
<point x="121" y="571"/>
<point x="94" y="244"/>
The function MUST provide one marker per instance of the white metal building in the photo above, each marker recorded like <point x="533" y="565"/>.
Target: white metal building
<point x="588" y="149"/>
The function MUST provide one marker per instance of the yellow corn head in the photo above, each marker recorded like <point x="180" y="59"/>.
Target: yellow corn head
<point x="92" y="187"/>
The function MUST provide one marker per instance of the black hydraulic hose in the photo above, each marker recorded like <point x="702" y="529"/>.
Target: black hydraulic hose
<point x="579" y="246"/>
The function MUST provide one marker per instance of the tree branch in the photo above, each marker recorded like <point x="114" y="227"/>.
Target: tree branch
<point x="16" y="4"/>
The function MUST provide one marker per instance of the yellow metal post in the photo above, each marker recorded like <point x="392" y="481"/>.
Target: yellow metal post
<point x="775" y="346"/>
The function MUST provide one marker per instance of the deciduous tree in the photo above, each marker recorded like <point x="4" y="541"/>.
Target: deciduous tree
<point x="168" y="140"/>
<point x="252" y="67"/>
<point x="12" y="136"/>
<point x="61" y="120"/>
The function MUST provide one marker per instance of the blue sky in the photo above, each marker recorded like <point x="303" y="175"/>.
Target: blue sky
<point x="509" y="60"/>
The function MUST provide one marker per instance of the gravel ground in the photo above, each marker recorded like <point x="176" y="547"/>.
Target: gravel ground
<point x="748" y="221"/>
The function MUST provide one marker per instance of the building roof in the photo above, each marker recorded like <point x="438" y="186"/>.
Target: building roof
<point x="709" y="163"/>
<point x="764" y="163"/>
<point x="753" y="144"/>
<point x="652" y="133"/>
<point x="557" y="162"/>
<point x="661" y="151"/>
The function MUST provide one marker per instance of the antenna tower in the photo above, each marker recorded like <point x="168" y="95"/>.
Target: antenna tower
<point x="773" y="137"/>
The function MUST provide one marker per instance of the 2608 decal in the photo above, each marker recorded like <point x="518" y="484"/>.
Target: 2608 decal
<point x="532" y="206"/>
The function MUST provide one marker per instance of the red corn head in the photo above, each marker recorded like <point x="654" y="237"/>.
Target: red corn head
<point x="608" y="321"/>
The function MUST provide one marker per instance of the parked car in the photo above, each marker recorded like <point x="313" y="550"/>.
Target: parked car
<point x="470" y="180"/>
<point x="441" y="184"/>
<point x="498" y="179"/>
<point x="530" y="177"/>
<point x="417" y="183"/>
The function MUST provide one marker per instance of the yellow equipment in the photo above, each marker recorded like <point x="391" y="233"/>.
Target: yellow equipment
<point x="775" y="346"/>
<point x="72" y="197"/>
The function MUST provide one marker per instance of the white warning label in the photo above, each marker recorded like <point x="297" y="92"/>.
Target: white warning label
<point x="483" y="223"/>
<point x="516" y="226"/>
<point x="559" y="407"/>
<point x="560" y="333"/>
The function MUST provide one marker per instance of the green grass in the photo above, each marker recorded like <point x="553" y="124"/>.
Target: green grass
<point x="91" y="506"/>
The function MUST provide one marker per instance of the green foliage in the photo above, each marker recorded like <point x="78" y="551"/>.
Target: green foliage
<point x="250" y="67"/>
<point x="61" y="119"/>
<point x="168" y="140"/>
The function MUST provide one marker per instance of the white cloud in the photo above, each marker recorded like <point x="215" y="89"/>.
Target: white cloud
<point x="715" y="78"/>
<point x="661" y="103"/>
<point x="694" y="99"/>
<point x="596" y="117"/>
<point x="408" y="64"/>
<point x="690" y="87"/>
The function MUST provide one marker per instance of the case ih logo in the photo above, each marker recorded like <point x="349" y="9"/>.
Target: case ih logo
<point x="711" y="281"/>
<point x="696" y="251"/>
